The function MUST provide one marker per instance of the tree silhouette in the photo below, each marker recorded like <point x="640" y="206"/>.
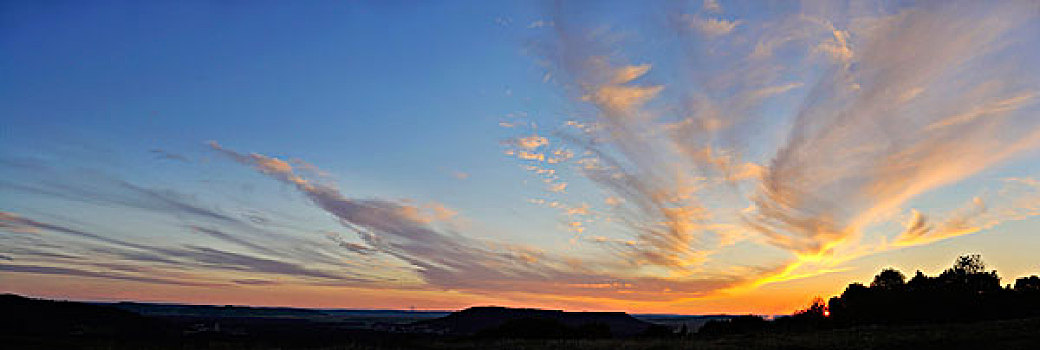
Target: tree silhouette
<point x="963" y="292"/>
<point x="888" y="279"/>
<point x="920" y="282"/>
<point x="969" y="274"/>
<point x="969" y="264"/>
<point x="1029" y="284"/>
<point x="817" y="309"/>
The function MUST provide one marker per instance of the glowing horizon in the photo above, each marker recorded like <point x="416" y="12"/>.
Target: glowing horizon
<point x="688" y="157"/>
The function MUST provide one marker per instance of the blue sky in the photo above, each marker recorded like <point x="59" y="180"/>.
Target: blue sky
<point x="697" y="156"/>
<point x="391" y="97"/>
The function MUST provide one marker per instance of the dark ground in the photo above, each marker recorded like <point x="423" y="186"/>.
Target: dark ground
<point x="43" y="324"/>
<point x="1004" y="334"/>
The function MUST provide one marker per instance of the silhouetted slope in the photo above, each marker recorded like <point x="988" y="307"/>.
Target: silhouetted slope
<point x="147" y="309"/>
<point x="509" y="322"/>
<point x="34" y="317"/>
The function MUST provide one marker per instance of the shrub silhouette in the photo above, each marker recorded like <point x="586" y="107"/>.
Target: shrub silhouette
<point x="738" y="324"/>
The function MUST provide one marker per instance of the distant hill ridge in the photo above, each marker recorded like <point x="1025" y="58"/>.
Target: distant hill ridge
<point x="150" y="309"/>
<point x="484" y="319"/>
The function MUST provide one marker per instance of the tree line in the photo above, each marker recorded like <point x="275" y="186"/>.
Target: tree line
<point x="964" y="292"/>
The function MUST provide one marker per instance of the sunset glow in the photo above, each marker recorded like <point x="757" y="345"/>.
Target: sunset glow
<point x="651" y="157"/>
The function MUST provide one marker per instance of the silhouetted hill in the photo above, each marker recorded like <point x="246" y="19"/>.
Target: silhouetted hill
<point x="35" y="317"/>
<point x="148" y="309"/>
<point x="527" y="323"/>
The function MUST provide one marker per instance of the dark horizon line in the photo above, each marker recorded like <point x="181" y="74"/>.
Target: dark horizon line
<point x="111" y="302"/>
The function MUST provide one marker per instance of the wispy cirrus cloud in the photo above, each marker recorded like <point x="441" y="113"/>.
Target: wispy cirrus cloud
<point x="447" y="259"/>
<point x="239" y="241"/>
<point x="712" y="27"/>
<point x="110" y="191"/>
<point x="890" y="105"/>
<point x="461" y="175"/>
<point x="66" y="271"/>
<point x="1017" y="199"/>
<point x="712" y="6"/>
<point x="846" y="165"/>
<point x="163" y="261"/>
<point x="167" y="155"/>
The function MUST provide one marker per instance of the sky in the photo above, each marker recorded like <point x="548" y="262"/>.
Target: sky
<point x="654" y="157"/>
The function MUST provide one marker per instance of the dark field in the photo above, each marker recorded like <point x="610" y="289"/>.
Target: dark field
<point x="1008" y="334"/>
<point x="1004" y="334"/>
<point x="27" y="323"/>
